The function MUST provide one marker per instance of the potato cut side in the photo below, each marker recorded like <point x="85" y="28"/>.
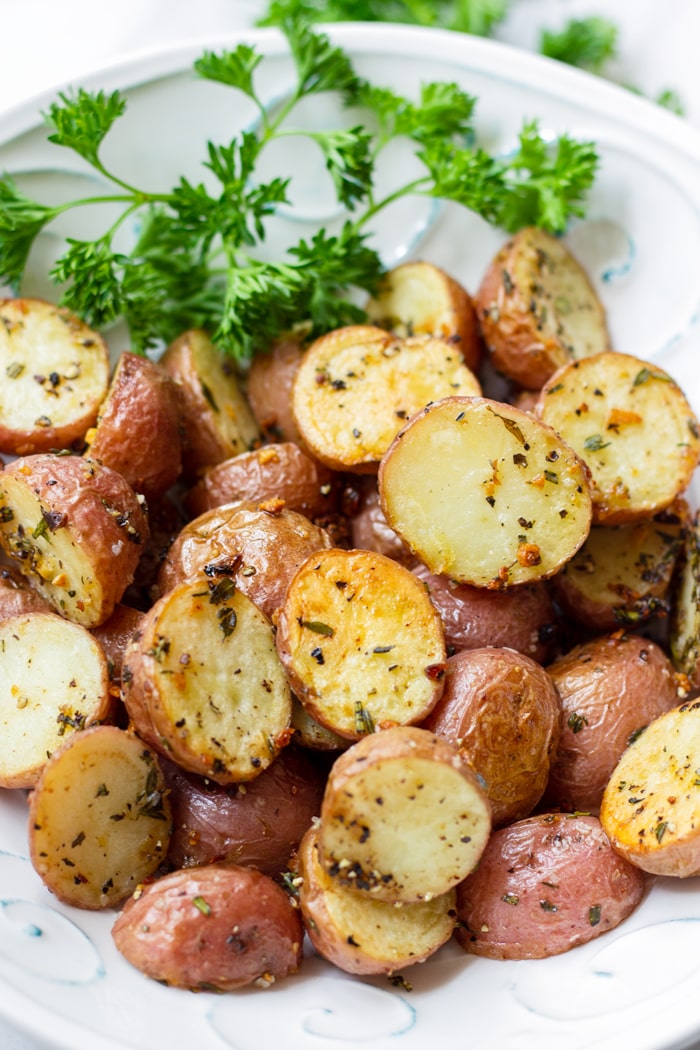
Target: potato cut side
<point x="53" y="681"/>
<point x="75" y="529"/>
<point x="684" y="636"/>
<point x="365" y="936"/>
<point x="651" y="806"/>
<point x="356" y="386"/>
<point x="418" y="298"/>
<point x="485" y="494"/>
<point x="361" y="642"/>
<point x="403" y="817"/>
<point x="55" y="373"/>
<point x="538" y="309"/>
<point x="632" y="424"/>
<point x="99" y="818"/>
<point x="622" y="574"/>
<point x="203" y="683"/>
<point x="218" y="420"/>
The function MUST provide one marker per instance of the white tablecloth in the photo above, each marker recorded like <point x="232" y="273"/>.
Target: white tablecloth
<point x="46" y="42"/>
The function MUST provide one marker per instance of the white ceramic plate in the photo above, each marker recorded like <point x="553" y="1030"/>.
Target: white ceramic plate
<point x="633" y="989"/>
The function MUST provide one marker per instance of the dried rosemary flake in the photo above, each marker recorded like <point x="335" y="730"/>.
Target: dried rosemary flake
<point x="317" y="627"/>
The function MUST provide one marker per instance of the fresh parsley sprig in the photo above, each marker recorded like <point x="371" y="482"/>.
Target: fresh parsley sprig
<point x="197" y="260"/>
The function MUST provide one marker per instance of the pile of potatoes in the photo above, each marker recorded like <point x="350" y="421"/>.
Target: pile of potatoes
<point x="389" y="640"/>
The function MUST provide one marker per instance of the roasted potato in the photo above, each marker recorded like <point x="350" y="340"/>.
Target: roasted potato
<point x="55" y="682"/>
<point x="610" y="689"/>
<point x="217" y="419"/>
<point x="544" y="885"/>
<point x="369" y="528"/>
<point x="115" y="634"/>
<point x="215" y="928"/>
<point x="418" y="298"/>
<point x="261" y="548"/>
<point x="360" y="642"/>
<point x="359" y="934"/>
<point x="309" y="733"/>
<point x="523" y="618"/>
<point x="258" y="824"/>
<point x="274" y="475"/>
<point x="684" y="634"/>
<point x="356" y="386"/>
<point x="55" y="374"/>
<point x="634" y="428"/>
<point x="75" y="529"/>
<point x="202" y="682"/>
<point x="484" y="493"/>
<point x="501" y="711"/>
<point x="403" y="817"/>
<point x="538" y="309"/>
<point x="651" y="804"/>
<point x="99" y="819"/>
<point x="269" y="389"/>
<point x="17" y="596"/>
<point x="139" y="427"/>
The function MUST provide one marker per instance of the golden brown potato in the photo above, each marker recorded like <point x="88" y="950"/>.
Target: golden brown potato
<point x="360" y="642"/>
<point x="75" y="529"/>
<point x="522" y="618"/>
<point x="269" y="389"/>
<point x="54" y="682"/>
<point x="403" y="817"/>
<point x="610" y="688"/>
<point x="55" y="374"/>
<point x="309" y="733"/>
<point x="544" y="885"/>
<point x="650" y="808"/>
<point x="634" y="428"/>
<point x="684" y="633"/>
<point x="484" y="493"/>
<point x="356" y="386"/>
<point x="538" y="309"/>
<point x="501" y="711"/>
<point x="621" y="576"/>
<point x="365" y="936"/>
<point x="217" y="418"/>
<point x="274" y="475"/>
<point x="139" y="426"/>
<point x="99" y="819"/>
<point x="258" y="824"/>
<point x="260" y="548"/>
<point x="203" y="684"/>
<point x="418" y="298"/>
<point x="214" y="928"/>
<point x="17" y="596"/>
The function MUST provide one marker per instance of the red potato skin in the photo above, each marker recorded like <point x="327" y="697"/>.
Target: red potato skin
<point x="215" y="928"/>
<point x="17" y="598"/>
<point x="115" y="634"/>
<point x="610" y="689"/>
<point x="370" y="530"/>
<point x="544" y="885"/>
<point x="139" y="428"/>
<point x="269" y="390"/>
<point x="258" y="824"/>
<point x="523" y="618"/>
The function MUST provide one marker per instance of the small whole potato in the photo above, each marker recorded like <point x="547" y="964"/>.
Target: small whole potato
<point x="214" y="928"/>
<point x="501" y="710"/>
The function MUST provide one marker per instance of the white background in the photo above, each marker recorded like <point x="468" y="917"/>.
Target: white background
<point x="49" y="42"/>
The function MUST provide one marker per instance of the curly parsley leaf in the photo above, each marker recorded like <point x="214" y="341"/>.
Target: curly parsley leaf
<point x="468" y="16"/>
<point x="81" y="121"/>
<point x="588" y="43"/>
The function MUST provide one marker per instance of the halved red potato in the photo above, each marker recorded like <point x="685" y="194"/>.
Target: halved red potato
<point x="651" y="804"/>
<point x="55" y="374"/>
<point x="138" y="431"/>
<point x="484" y="493"/>
<point x="17" y="596"/>
<point x="419" y="298"/>
<point x="115" y="635"/>
<point x="75" y="529"/>
<point x="684" y="633"/>
<point x="54" y="682"/>
<point x="610" y="690"/>
<point x="215" y="928"/>
<point x="538" y="309"/>
<point x="281" y="472"/>
<point x="203" y="684"/>
<point x="356" y="386"/>
<point x="217" y="418"/>
<point x="502" y="712"/>
<point x="165" y="521"/>
<point x="544" y="885"/>
<point x="359" y="934"/>
<point x="99" y="819"/>
<point x="403" y="817"/>
<point x="269" y="388"/>
<point x="260" y="547"/>
<point x="369" y="528"/>
<point x="361" y="642"/>
<point x="310" y="734"/>
<point x="633" y="426"/>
